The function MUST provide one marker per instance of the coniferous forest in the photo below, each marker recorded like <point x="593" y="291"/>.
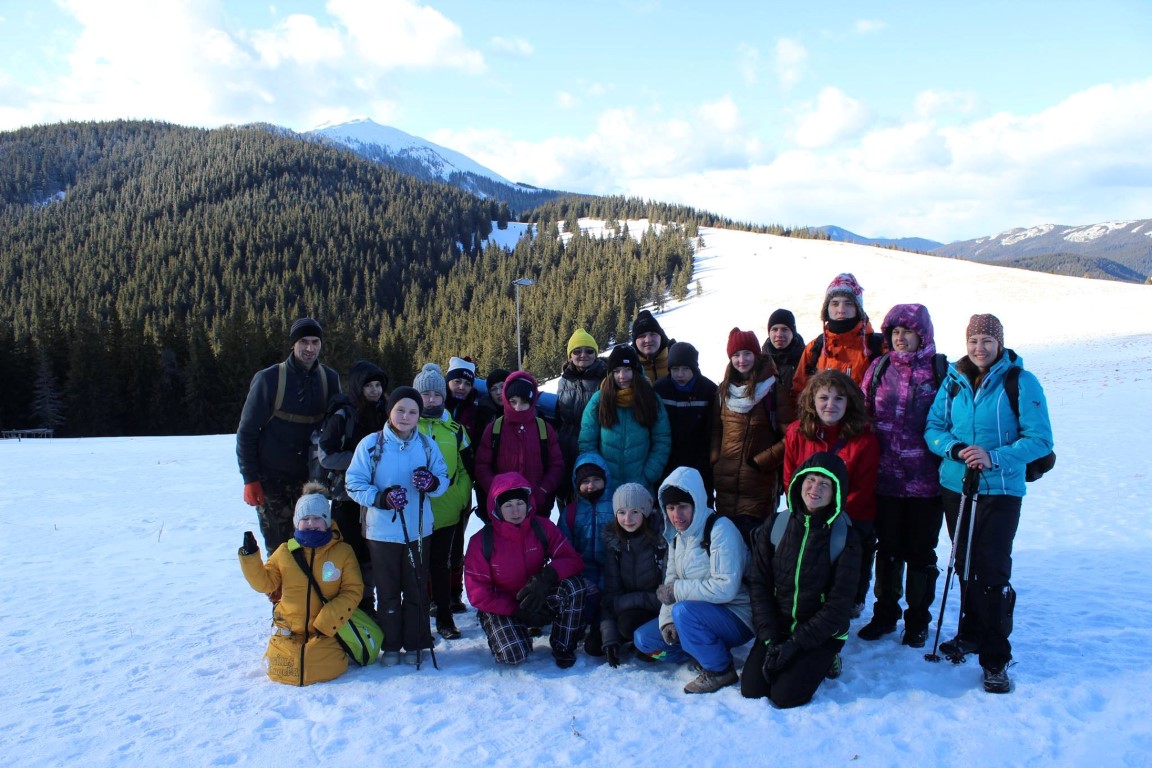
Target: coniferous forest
<point x="148" y="270"/>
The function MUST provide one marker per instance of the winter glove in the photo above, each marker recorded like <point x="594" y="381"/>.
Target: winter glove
<point x="424" y="480"/>
<point x="670" y="635"/>
<point x="666" y="593"/>
<point x="954" y="451"/>
<point x="541" y="618"/>
<point x="532" y="596"/>
<point x="779" y="656"/>
<point x="392" y="497"/>
<point x="254" y="494"/>
<point x="250" y="546"/>
<point x="612" y="653"/>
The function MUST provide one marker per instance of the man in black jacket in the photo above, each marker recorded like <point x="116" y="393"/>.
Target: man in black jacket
<point x="285" y="403"/>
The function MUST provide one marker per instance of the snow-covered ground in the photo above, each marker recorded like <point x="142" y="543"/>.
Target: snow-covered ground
<point x="130" y="637"/>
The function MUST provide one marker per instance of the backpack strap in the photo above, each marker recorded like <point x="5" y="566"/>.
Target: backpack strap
<point x="835" y="542"/>
<point x="282" y="385"/>
<point x="875" y="344"/>
<point x="488" y="539"/>
<point x="779" y="523"/>
<point x="542" y="536"/>
<point x="939" y="368"/>
<point x="877" y="375"/>
<point x="1012" y="389"/>
<point x="814" y="353"/>
<point x="706" y="541"/>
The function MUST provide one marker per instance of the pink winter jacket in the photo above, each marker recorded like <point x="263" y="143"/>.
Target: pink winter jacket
<point x="517" y="555"/>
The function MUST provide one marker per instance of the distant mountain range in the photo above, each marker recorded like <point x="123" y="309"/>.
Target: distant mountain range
<point x="840" y="234"/>
<point x="431" y="162"/>
<point x="1120" y="250"/>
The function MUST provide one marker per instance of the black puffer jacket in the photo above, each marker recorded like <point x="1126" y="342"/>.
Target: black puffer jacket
<point x="573" y="393"/>
<point x="634" y="567"/>
<point x="690" y="417"/>
<point x="795" y="590"/>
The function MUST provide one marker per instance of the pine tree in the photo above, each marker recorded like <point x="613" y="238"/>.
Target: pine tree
<point x="47" y="402"/>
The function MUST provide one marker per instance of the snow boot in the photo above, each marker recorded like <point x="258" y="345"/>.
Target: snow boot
<point x="959" y="647"/>
<point x="996" y="679"/>
<point x="836" y="669"/>
<point x="709" y="682"/>
<point x="446" y="625"/>
<point x="593" y="646"/>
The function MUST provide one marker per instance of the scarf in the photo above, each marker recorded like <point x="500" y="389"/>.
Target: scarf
<point x="624" y="398"/>
<point x="739" y="402"/>
<point x="313" y="539"/>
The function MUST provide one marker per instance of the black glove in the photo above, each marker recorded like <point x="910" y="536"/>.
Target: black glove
<point x="424" y="480"/>
<point x="779" y="656"/>
<point x="612" y="653"/>
<point x="954" y="452"/>
<point x="541" y="618"/>
<point x="250" y="546"/>
<point x="532" y="595"/>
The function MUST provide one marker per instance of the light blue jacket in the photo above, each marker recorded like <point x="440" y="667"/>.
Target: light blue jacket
<point x="398" y="459"/>
<point x="985" y="418"/>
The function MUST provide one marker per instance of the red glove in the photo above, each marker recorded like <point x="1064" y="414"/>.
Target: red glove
<point x="254" y="494"/>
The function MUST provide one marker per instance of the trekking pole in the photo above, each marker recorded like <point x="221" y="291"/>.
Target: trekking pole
<point x="972" y="489"/>
<point x="416" y="562"/>
<point x="933" y="656"/>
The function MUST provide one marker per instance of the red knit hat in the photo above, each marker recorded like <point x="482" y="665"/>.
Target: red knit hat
<point x="742" y="340"/>
<point x="844" y="284"/>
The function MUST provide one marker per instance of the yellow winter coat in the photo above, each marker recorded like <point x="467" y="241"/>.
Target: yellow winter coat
<point x="303" y="648"/>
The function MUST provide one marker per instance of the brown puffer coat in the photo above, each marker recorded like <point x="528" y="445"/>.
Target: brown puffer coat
<point x="303" y="648"/>
<point x="740" y="440"/>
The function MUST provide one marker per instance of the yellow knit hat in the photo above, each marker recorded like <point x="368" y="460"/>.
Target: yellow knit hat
<point x="581" y="339"/>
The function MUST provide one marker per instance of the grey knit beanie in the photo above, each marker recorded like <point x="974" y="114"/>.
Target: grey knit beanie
<point x="430" y="379"/>
<point x="633" y="496"/>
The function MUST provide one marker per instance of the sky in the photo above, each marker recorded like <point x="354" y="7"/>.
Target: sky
<point x="890" y="118"/>
<point x="129" y="636"/>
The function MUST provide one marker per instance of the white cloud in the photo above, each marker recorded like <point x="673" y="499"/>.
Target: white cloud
<point x="748" y="59"/>
<point x="836" y="116"/>
<point x="565" y="100"/>
<point x="791" y="62"/>
<point x="935" y="104"/>
<point x="186" y="61"/>
<point x="513" y="45"/>
<point x="722" y="115"/>
<point x="869" y="26"/>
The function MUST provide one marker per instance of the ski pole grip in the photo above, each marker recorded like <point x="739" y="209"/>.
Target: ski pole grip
<point x="971" y="481"/>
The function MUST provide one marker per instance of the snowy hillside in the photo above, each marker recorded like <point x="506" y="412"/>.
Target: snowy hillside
<point x="132" y="638"/>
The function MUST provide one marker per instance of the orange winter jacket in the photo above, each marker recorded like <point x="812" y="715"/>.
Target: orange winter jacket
<point x="847" y="352"/>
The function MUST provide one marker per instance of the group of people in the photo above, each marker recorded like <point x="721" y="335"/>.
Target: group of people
<point x="670" y="542"/>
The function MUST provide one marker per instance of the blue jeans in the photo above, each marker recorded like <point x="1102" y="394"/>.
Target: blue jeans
<point x="707" y="632"/>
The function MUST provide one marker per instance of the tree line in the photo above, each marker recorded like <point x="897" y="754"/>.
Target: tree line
<point x="148" y="270"/>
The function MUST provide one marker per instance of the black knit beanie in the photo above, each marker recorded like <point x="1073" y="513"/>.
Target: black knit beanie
<point x="675" y="495"/>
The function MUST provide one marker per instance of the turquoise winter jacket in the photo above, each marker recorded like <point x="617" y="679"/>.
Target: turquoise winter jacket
<point x="633" y="453"/>
<point x="984" y="417"/>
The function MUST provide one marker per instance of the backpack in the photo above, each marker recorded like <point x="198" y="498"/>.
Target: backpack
<point x="875" y="342"/>
<point x="745" y="530"/>
<point x="1037" y="468"/>
<point x="840" y="526"/>
<point x="282" y="385"/>
<point x="333" y="479"/>
<point x="939" y="371"/>
<point x="541" y="428"/>
<point x="488" y="539"/>
<point x="360" y="637"/>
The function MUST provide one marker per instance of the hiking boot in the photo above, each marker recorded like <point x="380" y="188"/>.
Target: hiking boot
<point x="457" y="605"/>
<point x="709" y="682"/>
<point x="446" y="628"/>
<point x="564" y="659"/>
<point x="996" y="679"/>
<point x="876" y="629"/>
<point x="857" y="610"/>
<point x="914" y="638"/>
<point x="389" y="658"/>
<point x="959" y="647"/>
<point x="836" y="669"/>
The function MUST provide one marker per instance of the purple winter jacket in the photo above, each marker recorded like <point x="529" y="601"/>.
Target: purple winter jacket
<point x="899" y="407"/>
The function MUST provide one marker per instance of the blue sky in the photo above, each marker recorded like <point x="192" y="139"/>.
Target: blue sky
<point x="946" y="121"/>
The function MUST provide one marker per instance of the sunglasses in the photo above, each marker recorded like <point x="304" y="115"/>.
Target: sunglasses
<point x="583" y="351"/>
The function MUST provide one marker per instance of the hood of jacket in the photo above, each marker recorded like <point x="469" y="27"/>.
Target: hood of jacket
<point x="507" y="481"/>
<point x="831" y="466"/>
<point x="361" y="372"/>
<point x="914" y="317"/>
<point x="591" y="457"/>
<point x="688" y="480"/>
<point x="511" y="414"/>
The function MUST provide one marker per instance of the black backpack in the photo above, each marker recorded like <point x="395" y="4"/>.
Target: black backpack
<point x="939" y="371"/>
<point x="1037" y="468"/>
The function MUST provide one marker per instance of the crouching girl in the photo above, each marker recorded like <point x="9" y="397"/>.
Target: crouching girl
<point x="521" y="572"/>
<point x="303" y="648"/>
<point x="802" y="587"/>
